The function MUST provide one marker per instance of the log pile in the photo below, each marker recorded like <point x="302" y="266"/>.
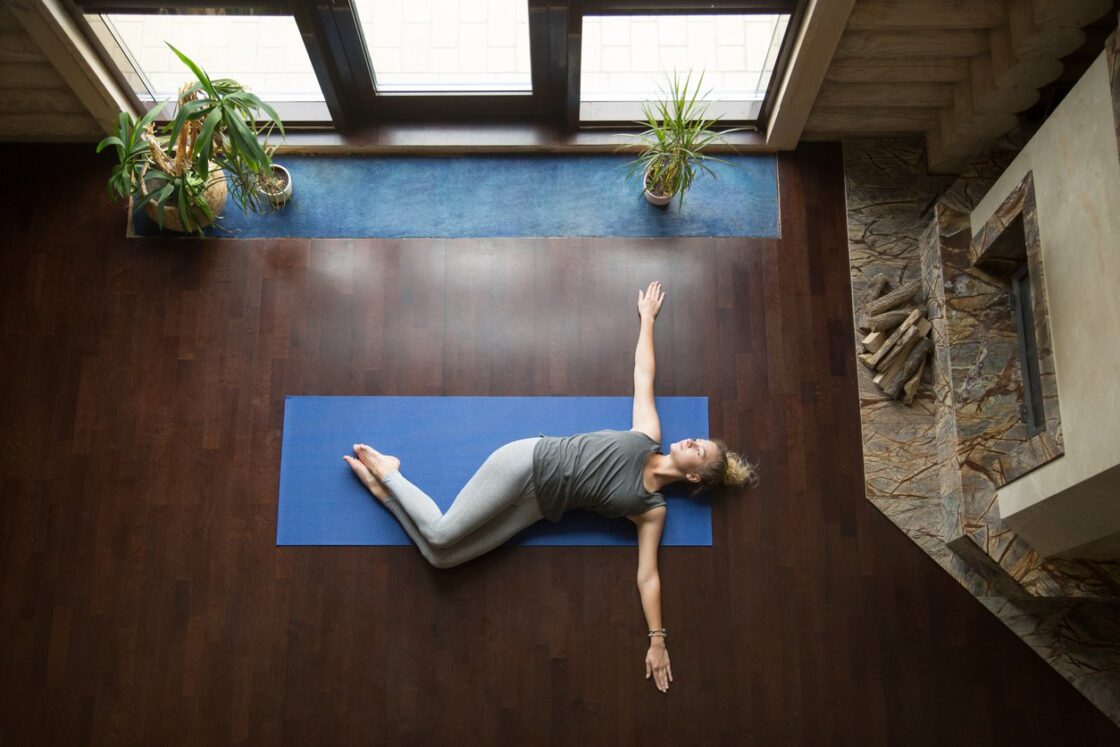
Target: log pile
<point x="897" y="337"/>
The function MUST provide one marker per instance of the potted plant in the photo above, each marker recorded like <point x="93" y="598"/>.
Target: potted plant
<point x="672" y="146"/>
<point x="276" y="185"/>
<point x="182" y="174"/>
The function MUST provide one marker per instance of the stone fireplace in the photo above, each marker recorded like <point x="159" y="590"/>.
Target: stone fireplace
<point x="973" y="471"/>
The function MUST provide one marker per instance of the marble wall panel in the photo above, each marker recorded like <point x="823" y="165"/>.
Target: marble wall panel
<point x="1018" y="453"/>
<point x="983" y="350"/>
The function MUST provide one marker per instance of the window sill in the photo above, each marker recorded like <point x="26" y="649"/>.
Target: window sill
<point x="484" y="138"/>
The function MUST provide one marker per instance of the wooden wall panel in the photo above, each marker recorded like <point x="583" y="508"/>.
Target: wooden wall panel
<point x="17" y="46"/>
<point x="901" y="95"/>
<point x="913" y="43"/>
<point x="39" y="101"/>
<point x="954" y="14"/>
<point x="35" y="101"/>
<point x="31" y="75"/>
<point x="895" y="70"/>
<point x="872" y="121"/>
<point x="976" y="62"/>
<point x="39" y="127"/>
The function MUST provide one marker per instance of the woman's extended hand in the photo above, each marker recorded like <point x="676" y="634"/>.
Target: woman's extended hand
<point x="657" y="664"/>
<point x="649" y="302"/>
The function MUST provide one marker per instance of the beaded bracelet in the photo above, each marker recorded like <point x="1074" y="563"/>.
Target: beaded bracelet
<point x="659" y="631"/>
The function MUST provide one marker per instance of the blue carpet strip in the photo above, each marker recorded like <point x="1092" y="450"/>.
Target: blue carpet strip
<point x="502" y="196"/>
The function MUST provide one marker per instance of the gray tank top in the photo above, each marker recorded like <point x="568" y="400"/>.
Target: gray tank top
<point x="600" y="472"/>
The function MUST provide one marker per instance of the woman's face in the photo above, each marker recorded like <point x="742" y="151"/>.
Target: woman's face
<point x="692" y="454"/>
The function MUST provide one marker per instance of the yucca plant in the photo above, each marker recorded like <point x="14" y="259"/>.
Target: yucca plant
<point x="672" y="146"/>
<point x="215" y="126"/>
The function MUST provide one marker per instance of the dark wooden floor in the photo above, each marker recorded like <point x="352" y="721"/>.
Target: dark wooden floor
<point x="144" y="600"/>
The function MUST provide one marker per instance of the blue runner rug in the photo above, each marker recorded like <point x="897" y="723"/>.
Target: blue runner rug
<point x="510" y="195"/>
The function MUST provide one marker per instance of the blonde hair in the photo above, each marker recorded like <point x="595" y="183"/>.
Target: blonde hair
<point x="728" y="469"/>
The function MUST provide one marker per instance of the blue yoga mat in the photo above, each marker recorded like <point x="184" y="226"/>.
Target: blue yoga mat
<point x="511" y="195"/>
<point x="441" y="442"/>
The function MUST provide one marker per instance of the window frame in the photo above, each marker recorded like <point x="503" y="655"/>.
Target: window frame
<point x="295" y="114"/>
<point x="795" y="9"/>
<point x="336" y="46"/>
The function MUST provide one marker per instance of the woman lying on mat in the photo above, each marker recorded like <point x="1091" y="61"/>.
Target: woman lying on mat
<point x="613" y="473"/>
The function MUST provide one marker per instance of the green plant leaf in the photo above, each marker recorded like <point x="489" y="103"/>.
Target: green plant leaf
<point x="150" y="115"/>
<point x="198" y="72"/>
<point x="273" y="117"/>
<point x="190" y="110"/>
<point x="206" y="140"/>
<point x="248" y="142"/>
<point x="162" y="195"/>
<point x="112" y="140"/>
<point x="184" y="210"/>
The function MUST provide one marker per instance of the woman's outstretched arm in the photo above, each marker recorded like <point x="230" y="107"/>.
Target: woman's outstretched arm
<point x="650" y="526"/>
<point x="645" y="367"/>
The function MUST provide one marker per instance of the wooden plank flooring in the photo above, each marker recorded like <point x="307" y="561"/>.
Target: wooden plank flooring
<point x="144" y="600"/>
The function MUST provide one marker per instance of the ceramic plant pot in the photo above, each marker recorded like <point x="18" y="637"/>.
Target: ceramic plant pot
<point x="279" y="199"/>
<point x="651" y="198"/>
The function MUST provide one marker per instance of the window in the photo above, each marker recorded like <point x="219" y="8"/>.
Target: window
<point x="627" y="60"/>
<point x="442" y="46"/>
<point x="264" y="53"/>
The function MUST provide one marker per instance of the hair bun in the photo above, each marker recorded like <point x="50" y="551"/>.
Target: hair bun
<point x="739" y="472"/>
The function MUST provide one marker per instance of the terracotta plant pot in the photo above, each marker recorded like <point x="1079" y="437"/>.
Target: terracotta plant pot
<point x="216" y="193"/>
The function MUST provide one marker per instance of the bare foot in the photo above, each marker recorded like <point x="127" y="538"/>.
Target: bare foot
<point x="367" y="478"/>
<point x="379" y="464"/>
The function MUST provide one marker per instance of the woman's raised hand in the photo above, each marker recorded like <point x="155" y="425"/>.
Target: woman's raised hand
<point x="649" y="302"/>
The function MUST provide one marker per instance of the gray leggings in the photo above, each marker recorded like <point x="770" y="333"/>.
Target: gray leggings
<point x="494" y="505"/>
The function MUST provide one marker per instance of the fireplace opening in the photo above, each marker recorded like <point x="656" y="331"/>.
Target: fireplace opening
<point x="1022" y="309"/>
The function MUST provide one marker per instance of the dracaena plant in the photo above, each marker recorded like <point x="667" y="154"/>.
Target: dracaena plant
<point x="216" y="125"/>
<point x="672" y="145"/>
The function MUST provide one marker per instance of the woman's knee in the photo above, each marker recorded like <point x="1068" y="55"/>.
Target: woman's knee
<point x="440" y="537"/>
<point x="440" y="560"/>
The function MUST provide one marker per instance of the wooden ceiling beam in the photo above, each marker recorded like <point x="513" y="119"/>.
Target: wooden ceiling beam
<point x="948" y="14"/>
<point x="895" y="70"/>
<point x="812" y="54"/>
<point x="1069" y="12"/>
<point x="988" y="95"/>
<point x="49" y="127"/>
<point x="956" y="70"/>
<point x="914" y="43"/>
<point x="906" y="95"/>
<point x="1012" y="71"/>
<point x="869" y="121"/>
<point x="1033" y="41"/>
<point x="29" y="75"/>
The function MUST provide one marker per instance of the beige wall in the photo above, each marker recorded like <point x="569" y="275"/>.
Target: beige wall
<point x="1074" y="501"/>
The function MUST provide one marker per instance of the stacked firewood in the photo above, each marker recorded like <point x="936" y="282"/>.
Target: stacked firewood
<point x="897" y="337"/>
